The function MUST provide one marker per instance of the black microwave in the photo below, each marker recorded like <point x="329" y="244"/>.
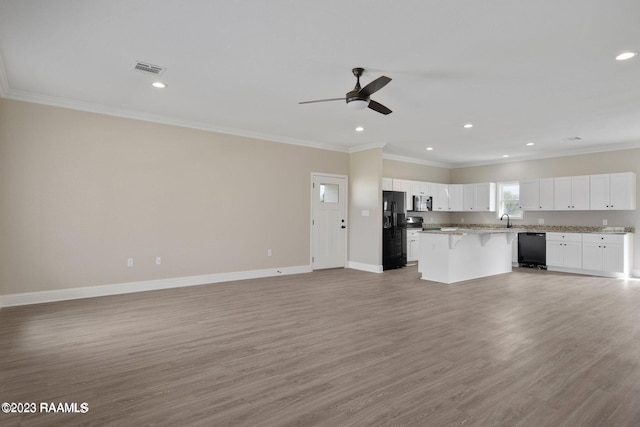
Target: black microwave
<point x="422" y="203"/>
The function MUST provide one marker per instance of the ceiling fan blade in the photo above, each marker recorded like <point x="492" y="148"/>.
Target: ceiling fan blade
<point x="374" y="86"/>
<point x="323" y="100"/>
<point x="376" y="106"/>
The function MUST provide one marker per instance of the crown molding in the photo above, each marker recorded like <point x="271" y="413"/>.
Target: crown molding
<point x="154" y="118"/>
<point x="417" y="161"/>
<point x="367" y="147"/>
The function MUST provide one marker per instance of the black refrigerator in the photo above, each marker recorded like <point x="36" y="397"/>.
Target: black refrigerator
<point x="394" y="230"/>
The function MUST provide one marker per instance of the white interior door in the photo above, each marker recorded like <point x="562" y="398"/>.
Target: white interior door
<point x="329" y="222"/>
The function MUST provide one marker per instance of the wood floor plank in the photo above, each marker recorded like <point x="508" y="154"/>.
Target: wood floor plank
<point x="335" y="348"/>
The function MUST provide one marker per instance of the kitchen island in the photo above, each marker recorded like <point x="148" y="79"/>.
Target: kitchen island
<point x="451" y="255"/>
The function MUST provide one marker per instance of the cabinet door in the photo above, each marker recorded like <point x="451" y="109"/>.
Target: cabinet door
<point x="455" y="198"/>
<point x="440" y="197"/>
<point x="530" y="195"/>
<point x="613" y="258"/>
<point x="419" y="188"/>
<point x="402" y="185"/>
<point x="580" y="192"/>
<point x="413" y="246"/>
<point x="484" y="197"/>
<point x="572" y="254"/>
<point x="468" y="197"/>
<point x="592" y="256"/>
<point x="599" y="192"/>
<point x="546" y="194"/>
<point x="554" y="253"/>
<point x="562" y="193"/>
<point x="622" y="191"/>
<point x="387" y="184"/>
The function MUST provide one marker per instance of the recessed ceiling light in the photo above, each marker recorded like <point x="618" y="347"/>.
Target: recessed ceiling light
<point x="626" y="55"/>
<point x="429" y="148"/>
<point x="573" y="138"/>
<point x="468" y="125"/>
<point x="505" y="155"/>
<point x="531" y="143"/>
<point x="159" y="85"/>
<point x="359" y="129"/>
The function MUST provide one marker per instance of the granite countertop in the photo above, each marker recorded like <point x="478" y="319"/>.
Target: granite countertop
<point x="499" y="228"/>
<point x="463" y="231"/>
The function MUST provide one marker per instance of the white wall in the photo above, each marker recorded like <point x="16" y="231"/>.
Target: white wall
<point x="365" y="231"/>
<point x="82" y="192"/>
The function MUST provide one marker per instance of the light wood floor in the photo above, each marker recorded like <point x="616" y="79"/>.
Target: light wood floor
<point x="335" y="348"/>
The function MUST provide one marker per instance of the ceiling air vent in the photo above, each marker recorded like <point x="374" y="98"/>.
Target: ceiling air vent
<point x="145" y="67"/>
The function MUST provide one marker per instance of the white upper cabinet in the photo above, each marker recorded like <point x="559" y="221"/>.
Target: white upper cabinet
<point x="546" y="194"/>
<point x="468" y="197"/>
<point x="455" y="198"/>
<point x="419" y="188"/>
<point x="404" y="186"/>
<point x="479" y="197"/>
<point x="615" y="191"/>
<point x="571" y="193"/>
<point x="530" y="195"/>
<point x="387" y="184"/>
<point x="485" y="197"/>
<point x="536" y="194"/>
<point x="440" y="197"/>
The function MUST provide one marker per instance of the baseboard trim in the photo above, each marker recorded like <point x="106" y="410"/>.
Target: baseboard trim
<point x="364" y="267"/>
<point x="40" y="297"/>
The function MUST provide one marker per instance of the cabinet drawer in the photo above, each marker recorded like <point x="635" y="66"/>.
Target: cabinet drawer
<point x="603" y="238"/>
<point x="413" y="233"/>
<point x="564" y="237"/>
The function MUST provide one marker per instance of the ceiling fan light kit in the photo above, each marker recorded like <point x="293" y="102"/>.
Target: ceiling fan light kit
<point x="360" y="97"/>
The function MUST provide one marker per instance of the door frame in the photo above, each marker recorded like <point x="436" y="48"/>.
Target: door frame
<point x="346" y="214"/>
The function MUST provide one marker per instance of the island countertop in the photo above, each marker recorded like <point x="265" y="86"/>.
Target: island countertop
<point x="463" y="231"/>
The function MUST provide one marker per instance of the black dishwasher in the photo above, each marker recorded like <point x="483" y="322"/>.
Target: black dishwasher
<point x="532" y="250"/>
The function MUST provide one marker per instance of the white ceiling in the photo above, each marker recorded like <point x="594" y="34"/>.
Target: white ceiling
<point x="519" y="70"/>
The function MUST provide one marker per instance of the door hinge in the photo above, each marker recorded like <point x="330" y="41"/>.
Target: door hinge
<point x="313" y="222"/>
<point x="313" y="259"/>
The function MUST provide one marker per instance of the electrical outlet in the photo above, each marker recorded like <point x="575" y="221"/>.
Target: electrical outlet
<point x="431" y="219"/>
<point x="158" y="260"/>
<point x="540" y="220"/>
<point x="604" y="222"/>
<point x="461" y="219"/>
<point x="129" y="262"/>
<point x="268" y="252"/>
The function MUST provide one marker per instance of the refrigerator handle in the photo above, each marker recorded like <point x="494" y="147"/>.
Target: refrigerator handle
<point x="394" y="219"/>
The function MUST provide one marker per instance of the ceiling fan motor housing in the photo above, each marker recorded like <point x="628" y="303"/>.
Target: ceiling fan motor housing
<point x="355" y="95"/>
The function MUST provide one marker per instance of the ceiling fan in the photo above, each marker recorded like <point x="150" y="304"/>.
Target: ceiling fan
<point x="359" y="97"/>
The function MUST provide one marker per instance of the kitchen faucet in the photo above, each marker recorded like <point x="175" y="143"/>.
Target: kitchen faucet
<point x="508" y="224"/>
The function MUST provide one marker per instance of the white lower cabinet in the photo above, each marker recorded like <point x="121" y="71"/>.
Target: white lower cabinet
<point x="590" y="253"/>
<point x="564" y="250"/>
<point x="413" y="245"/>
<point x="604" y="253"/>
